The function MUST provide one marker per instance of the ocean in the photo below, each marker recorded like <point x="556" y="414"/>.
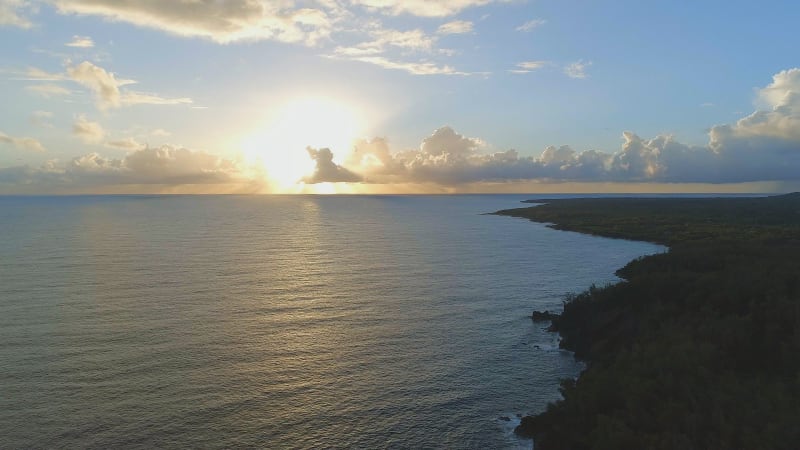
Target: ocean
<point x="282" y="321"/>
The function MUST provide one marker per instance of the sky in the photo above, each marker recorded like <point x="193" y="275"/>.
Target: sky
<point x="390" y="96"/>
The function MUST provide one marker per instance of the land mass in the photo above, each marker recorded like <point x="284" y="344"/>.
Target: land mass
<point x="697" y="347"/>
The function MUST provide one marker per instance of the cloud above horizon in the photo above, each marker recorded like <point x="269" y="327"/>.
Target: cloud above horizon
<point x="165" y="165"/>
<point x="22" y="143"/>
<point x="762" y="146"/>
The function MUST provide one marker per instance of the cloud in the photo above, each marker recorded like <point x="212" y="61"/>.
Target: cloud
<point x="42" y="119"/>
<point x="48" y="90"/>
<point x="376" y="51"/>
<point x="220" y="21"/>
<point x="35" y="74"/>
<point x="160" y="132"/>
<point x="163" y="166"/>
<point x="455" y="27"/>
<point x="446" y="142"/>
<point x="327" y="171"/>
<point x="422" y="8"/>
<point x="89" y="132"/>
<point x="761" y="147"/>
<point x="577" y="69"/>
<point x="22" y="143"/>
<point x="127" y="144"/>
<point x="382" y="38"/>
<point x="107" y="92"/>
<point x="529" y="66"/>
<point x="80" y="42"/>
<point x="104" y="84"/>
<point x="414" y="68"/>
<point x="530" y="25"/>
<point x="11" y="13"/>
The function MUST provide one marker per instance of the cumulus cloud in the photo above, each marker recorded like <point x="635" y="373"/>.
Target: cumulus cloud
<point x="326" y="170"/>
<point x="12" y="13"/>
<point x="165" y="165"/>
<point x="577" y="69"/>
<point x="223" y="22"/>
<point x="88" y="131"/>
<point x="530" y="25"/>
<point x="763" y="146"/>
<point x="455" y="27"/>
<point x="80" y="42"/>
<point x="22" y="143"/>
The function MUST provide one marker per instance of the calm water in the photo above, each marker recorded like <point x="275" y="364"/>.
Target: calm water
<point x="281" y="321"/>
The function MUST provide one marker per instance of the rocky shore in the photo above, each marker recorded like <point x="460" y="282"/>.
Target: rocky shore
<point x="696" y="347"/>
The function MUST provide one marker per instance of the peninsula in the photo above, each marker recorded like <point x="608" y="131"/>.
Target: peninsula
<point x="698" y="347"/>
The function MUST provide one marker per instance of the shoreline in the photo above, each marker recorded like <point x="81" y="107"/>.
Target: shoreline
<point x="663" y="347"/>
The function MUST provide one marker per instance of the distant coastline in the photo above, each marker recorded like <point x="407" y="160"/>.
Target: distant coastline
<point x="696" y="347"/>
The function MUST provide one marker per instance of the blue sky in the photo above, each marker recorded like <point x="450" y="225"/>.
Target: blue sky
<point x="422" y="96"/>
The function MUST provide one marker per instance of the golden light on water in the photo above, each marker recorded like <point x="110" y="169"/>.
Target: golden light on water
<point x="316" y="122"/>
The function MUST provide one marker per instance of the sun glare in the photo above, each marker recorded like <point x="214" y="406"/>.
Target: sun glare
<point x="316" y="122"/>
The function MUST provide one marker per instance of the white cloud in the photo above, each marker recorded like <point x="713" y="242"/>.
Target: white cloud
<point x="783" y="120"/>
<point x="529" y="66"/>
<point x="455" y="27"/>
<point x="35" y="74"/>
<point x="80" y="42"/>
<point x="414" y="68"/>
<point x="220" y="21"/>
<point x="104" y="84"/>
<point x="106" y="88"/>
<point x="762" y="147"/>
<point x="415" y="40"/>
<point x="423" y="8"/>
<point x="88" y="131"/>
<point x="384" y="45"/>
<point x="577" y="69"/>
<point x="22" y="143"/>
<point x="11" y="13"/>
<point x="531" y="25"/>
<point x="128" y="144"/>
<point x="141" y="98"/>
<point x="48" y="90"/>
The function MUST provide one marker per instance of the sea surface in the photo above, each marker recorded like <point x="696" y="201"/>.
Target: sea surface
<point x="282" y="321"/>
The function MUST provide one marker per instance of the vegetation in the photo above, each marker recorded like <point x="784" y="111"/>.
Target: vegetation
<point x="698" y="348"/>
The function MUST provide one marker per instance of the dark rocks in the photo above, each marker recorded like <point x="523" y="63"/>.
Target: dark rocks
<point x="527" y="427"/>
<point x="543" y="316"/>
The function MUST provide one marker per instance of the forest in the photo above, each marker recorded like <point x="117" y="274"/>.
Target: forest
<point x="697" y="347"/>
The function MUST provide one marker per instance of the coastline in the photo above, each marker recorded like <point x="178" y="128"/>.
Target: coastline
<point x="691" y="338"/>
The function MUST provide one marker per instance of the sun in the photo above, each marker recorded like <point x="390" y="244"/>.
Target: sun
<point x="316" y="122"/>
